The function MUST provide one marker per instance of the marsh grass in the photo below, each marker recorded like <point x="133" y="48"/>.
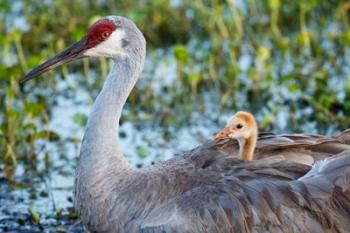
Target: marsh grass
<point x="286" y="61"/>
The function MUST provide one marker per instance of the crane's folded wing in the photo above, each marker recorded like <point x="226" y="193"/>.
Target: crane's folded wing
<point x="264" y="196"/>
<point x="301" y="148"/>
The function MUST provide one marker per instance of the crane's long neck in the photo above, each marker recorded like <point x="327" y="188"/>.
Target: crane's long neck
<point x="100" y="146"/>
<point x="247" y="147"/>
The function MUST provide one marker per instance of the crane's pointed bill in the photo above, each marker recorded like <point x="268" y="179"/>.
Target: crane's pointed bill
<point x="73" y="52"/>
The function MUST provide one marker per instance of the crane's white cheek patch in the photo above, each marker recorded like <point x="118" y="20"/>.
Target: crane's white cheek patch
<point x="247" y="133"/>
<point x="232" y="135"/>
<point x="237" y="135"/>
<point x="109" y="48"/>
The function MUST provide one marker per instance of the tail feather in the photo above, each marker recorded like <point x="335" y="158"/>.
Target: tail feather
<point x="328" y="174"/>
<point x="344" y="137"/>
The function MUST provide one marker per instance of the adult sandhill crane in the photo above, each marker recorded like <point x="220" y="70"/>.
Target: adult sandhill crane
<point x="206" y="189"/>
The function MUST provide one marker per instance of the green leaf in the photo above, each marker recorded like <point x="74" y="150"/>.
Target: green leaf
<point x="181" y="54"/>
<point x="34" y="216"/>
<point x="80" y="119"/>
<point x="142" y="151"/>
<point x="194" y="78"/>
<point x="33" y="109"/>
<point x="263" y="53"/>
<point x="274" y="4"/>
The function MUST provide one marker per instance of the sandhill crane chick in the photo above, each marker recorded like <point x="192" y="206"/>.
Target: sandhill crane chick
<point x="243" y="128"/>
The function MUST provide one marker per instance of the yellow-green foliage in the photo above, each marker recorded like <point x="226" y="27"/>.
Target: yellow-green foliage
<point x="263" y="56"/>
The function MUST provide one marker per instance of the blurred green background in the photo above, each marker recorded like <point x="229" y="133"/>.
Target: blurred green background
<point x="288" y="62"/>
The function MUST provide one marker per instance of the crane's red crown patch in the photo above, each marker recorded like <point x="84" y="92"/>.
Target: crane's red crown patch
<point x="99" y="32"/>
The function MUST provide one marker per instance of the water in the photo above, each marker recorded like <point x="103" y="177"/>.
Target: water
<point x="143" y="143"/>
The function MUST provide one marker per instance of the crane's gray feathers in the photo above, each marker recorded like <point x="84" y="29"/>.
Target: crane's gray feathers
<point x="344" y="137"/>
<point x="262" y="196"/>
<point x="300" y="148"/>
<point x="209" y="189"/>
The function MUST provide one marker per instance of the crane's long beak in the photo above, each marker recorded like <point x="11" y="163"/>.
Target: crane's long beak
<point x="222" y="134"/>
<point x="73" y="52"/>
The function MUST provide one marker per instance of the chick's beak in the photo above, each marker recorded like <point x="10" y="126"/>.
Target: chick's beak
<point x="222" y="134"/>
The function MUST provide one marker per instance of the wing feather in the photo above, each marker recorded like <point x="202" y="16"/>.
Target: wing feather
<point x="266" y="196"/>
<point x="300" y="148"/>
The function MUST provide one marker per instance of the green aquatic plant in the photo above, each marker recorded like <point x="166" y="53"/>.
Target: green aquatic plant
<point x="279" y="59"/>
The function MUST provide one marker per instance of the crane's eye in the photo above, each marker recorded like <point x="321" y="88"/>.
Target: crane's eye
<point x="104" y="35"/>
<point x="239" y="126"/>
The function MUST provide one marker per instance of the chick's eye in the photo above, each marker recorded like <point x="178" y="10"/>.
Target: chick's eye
<point x="239" y="126"/>
<point x="104" y="35"/>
